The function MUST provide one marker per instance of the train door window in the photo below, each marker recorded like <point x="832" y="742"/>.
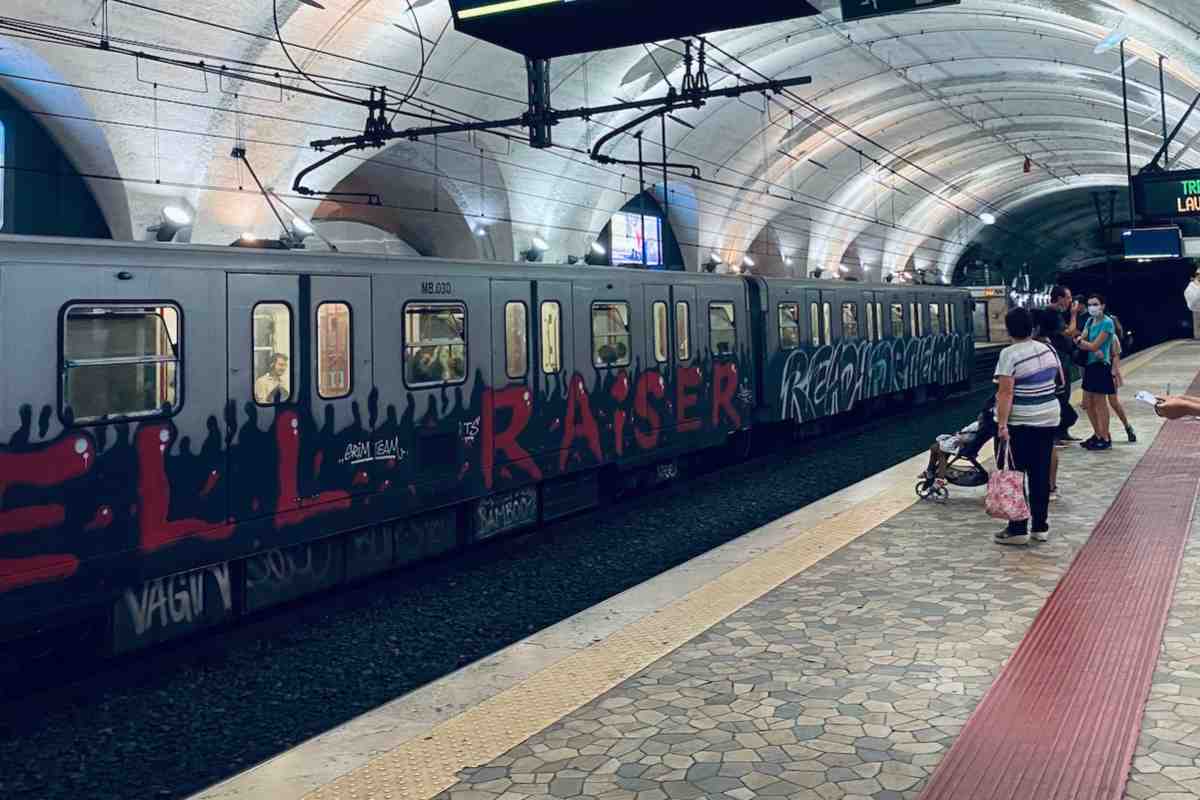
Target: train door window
<point x="722" y="330"/>
<point x="917" y="328"/>
<point x="897" y="321"/>
<point x="789" y="326"/>
<point x="683" y="329"/>
<point x="935" y="319"/>
<point x="120" y="362"/>
<point x="516" y="345"/>
<point x="948" y="314"/>
<point x="850" y="320"/>
<point x="814" y="324"/>
<point x="661" y="328"/>
<point x="827" y="322"/>
<point x="435" y="344"/>
<point x="273" y="369"/>
<point x="878" y="322"/>
<point x="610" y="334"/>
<point x="870" y="321"/>
<point x="333" y="350"/>
<point x="551" y="337"/>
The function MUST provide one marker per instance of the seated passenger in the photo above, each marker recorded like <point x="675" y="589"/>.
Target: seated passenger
<point x="272" y="385"/>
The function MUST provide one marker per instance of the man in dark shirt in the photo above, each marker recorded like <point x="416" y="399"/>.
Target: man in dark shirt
<point x="1067" y="313"/>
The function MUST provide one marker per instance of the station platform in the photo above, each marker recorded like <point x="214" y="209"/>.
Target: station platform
<point x="869" y="645"/>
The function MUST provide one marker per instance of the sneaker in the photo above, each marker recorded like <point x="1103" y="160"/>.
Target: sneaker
<point x="1102" y="444"/>
<point x="1131" y="434"/>
<point x="1088" y="442"/>
<point x="1042" y="535"/>
<point x="1004" y="537"/>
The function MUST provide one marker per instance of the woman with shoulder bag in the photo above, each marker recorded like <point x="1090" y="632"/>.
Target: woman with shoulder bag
<point x="1096" y="343"/>
<point x="1027" y="413"/>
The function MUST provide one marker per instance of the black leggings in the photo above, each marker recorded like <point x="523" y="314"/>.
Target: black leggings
<point x="1032" y="449"/>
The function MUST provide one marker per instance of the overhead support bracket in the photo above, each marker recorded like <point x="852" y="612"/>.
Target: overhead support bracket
<point x="540" y="119"/>
<point x="1153" y="166"/>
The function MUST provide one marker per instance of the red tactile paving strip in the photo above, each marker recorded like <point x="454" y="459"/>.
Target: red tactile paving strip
<point x="1062" y="719"/>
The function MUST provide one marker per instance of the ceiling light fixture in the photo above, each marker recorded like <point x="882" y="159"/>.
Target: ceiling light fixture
<point x="747" y="261"/>
<point x="598" y="249"/>
<point x="987" y="218"/>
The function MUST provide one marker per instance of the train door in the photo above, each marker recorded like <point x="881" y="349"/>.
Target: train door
<point x="659" y="312"/>
<point x="266" y="369"/>
<point x="554" y="365"/>
<point x="347" y="455"/>
<point x="513" y="390"/>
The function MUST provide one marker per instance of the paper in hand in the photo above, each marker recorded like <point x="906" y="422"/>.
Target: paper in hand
<point x="1148" y="398"/>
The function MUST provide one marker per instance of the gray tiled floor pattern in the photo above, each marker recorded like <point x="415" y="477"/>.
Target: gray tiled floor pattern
<point x="852" y="679"/>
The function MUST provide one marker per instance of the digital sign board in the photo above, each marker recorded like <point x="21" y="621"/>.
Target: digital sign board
<point x="861" y="9"/>
<point x="1168" y="195"/>
<point x="1153" y="243"/>
<point x="552" y="28"/>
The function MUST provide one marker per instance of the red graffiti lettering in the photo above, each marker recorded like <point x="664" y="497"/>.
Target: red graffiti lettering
<point x="290" y="509"/>
<point x="579" y="424"/>
<point x="517" y="401"/>
<point x="686" y="379"/>
<point x="57" y="463"/>
<point x="154" y="490"/>
<point x="16" y="573"/>
<point x="650" y="384"/>
<point x="725" y="384"/>
<point x="620" y="393"/>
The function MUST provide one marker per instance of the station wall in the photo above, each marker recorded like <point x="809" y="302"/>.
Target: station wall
<point x="43" y="194"/>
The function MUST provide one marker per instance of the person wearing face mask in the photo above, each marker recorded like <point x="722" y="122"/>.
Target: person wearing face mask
<point x="1097" y="341"/>
<point x="1185" y="405"/>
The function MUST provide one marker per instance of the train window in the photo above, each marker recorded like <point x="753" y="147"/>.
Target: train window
<point x="948" y="315"/>
<point x="683" y="336"/>
<point x="333" y="350"/>
<point x="551" y="337"/>
<point x="871" y="321"/>
<point x="850" y="320"/>
<point x="435" y="343"/>
<point x="610" y="334"/>
<point x="935" y="319"/>
<point x="897" y="321"/>
<point x="878" y="322"/>
<point x="272" y="376"/>
<point x="814" y="324"/>
<point x="120" y="362"/>
<point x="516" y="359"/>
<point x="722" y="329"/>
<point x="789" y="326"/>
<point x="827" y="322"/>
<point x="917" y="328"/>
<point x="661" y="328"/>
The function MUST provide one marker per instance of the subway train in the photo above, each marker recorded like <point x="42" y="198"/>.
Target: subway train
<point x="189" y="434"/>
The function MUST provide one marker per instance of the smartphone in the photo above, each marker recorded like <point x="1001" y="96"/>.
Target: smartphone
<point x="1148" y="398"/>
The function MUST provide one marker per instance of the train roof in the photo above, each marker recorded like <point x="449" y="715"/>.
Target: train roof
<point x="103" y="253"/>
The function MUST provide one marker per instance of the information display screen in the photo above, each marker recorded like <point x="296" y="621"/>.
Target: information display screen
<point x="627" y="239"/>
<point x="1168" y="195"/>
<point x="1153" y="243"/>
<point x="552" y="28"/>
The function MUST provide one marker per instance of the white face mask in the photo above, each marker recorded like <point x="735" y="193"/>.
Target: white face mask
<point x="1095" y="311"/>
<point x="1192" y="295"/>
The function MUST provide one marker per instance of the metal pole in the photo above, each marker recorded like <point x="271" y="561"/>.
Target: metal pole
<point x="1162" y="94"/>
<point x="1128" y="149"/>
<point x="642" y="193"/>
<point x="662" y="243"/>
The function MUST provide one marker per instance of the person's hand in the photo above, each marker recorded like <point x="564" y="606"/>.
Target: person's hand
<point x="1002" y="434"/>
<point x="1118" y="381"/>
<point x="1076" y="307"/>
<point x="1173" y="408"/>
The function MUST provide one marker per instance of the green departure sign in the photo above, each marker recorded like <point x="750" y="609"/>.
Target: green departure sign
<point x="862" y="9"/>
<point x="1168" y="195"/>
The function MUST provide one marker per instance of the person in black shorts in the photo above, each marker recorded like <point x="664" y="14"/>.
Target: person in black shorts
<point x="1097" y="340"/>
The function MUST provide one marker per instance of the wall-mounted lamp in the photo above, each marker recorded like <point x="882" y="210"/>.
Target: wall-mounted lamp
<point x="299" y="231"/>
<point x="987" y="218"/>
<point x="537" y="249"/>
<point x="598" y="249"/>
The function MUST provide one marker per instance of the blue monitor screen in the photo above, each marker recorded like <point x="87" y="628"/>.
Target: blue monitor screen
<point x="1153" y="243"/>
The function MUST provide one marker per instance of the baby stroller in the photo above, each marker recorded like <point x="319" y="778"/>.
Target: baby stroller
<point x="949" y="452"/>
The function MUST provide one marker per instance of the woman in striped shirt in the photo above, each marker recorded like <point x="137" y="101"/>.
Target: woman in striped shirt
<point x="1028" y="413"/>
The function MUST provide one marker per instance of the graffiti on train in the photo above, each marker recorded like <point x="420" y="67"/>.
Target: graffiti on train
<point x="167" y="607"/>
<point x="506" y="512"/>
<point x="831" y="379"/>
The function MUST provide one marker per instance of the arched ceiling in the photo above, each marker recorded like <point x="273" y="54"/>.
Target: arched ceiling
<point x="912" y="127"/>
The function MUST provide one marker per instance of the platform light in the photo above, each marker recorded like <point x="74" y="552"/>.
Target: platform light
<point x="598" y="249"/>
<point x="540" y="244"/>
<point x="300" y="226"/>
<point x="987" y="218"/>
<point x="747" y="261"/>
<point x="172" y="220"/>
<point x="249" y="237"/>
<point x="714" y="257"/>
<point x="480" y="231"/>
<point x="176" y="215"/>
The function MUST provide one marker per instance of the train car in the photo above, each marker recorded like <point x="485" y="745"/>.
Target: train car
<point x="189" y="434"/>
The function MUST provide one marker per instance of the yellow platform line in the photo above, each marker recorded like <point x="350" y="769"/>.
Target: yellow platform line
<point x="419" y="768"/>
